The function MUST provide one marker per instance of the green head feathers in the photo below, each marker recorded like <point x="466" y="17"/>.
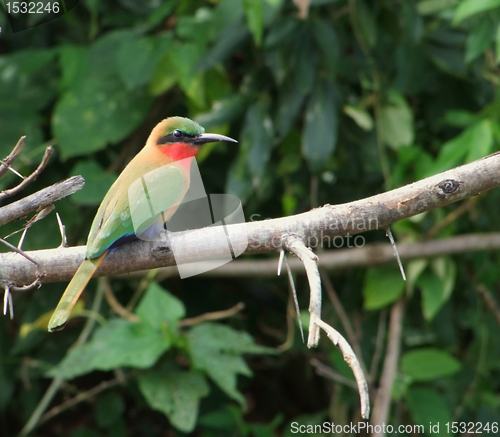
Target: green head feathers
<point x="184" y="130"/>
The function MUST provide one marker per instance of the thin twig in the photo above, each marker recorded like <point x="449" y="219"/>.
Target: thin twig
<point x="295" y="245"/>
<point x="290" y="315"/>
<point x="80" y="397"/>
<point x="351" y="359"/>
<point x="28" y="287"/>
<point x="37" y="217"/>
<point x="489" y="301"/>
<point x="328" y="372"/>
<point x="388" y="232"/>
<point x="339" y="309"/>
<point x="117" y="306"/>
<point x="293" y="292"/>
<point x="31" y="177"/>
<point x="6" y="163"/>
<point x="478" y="373"/>
<point x="56" y="383"/>
<point x="452" y="216"/>
<point x="379" y="344"/>
<point x="383" y="398"/>
<point x="215" y="315"/>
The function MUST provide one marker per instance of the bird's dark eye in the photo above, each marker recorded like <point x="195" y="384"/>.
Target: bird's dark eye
<point x="177" y="133"/>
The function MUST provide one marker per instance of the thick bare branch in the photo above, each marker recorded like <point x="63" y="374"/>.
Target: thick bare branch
<point x="41" y="199"/>
<point x="266" y="236"/>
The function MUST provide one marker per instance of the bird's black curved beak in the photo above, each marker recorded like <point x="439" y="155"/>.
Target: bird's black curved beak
<point x="211" y="138"/>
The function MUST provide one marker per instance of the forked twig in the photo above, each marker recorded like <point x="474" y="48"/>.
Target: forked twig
<point x="16" y="151"/>
<point x="215" y="315"/>
<point x="295" y="245"/>
<point x="31" y="177"/>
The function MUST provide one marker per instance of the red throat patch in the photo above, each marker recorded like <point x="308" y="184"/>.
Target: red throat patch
<point x="178" y="151"/>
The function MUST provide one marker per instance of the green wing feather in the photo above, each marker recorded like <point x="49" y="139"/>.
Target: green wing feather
<point x="150" y="193"/>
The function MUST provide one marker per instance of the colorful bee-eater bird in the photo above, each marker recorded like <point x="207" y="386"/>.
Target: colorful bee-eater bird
<point x="172" y="140"/>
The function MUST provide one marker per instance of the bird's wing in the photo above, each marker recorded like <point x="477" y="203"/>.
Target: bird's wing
<point x="131" y="208"/>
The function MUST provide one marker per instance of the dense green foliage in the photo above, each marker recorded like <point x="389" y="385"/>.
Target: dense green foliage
<point x="359" y="97"/>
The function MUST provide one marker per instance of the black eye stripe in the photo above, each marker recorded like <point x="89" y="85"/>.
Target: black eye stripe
<point x="174" y="137"/>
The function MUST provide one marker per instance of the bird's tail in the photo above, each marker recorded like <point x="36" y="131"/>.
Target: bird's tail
<point x="73" y="291"/>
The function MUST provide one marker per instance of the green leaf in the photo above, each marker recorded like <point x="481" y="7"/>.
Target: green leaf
<point x="448" y="59"/>
<point x="434" y="294"/>
<point x="164" y="77"/>
<point x="467" y="8"/>
<point x="304" y="61"/>
<point x="239" y="180"/>
<point x="96" y="112"/>
<point x="228" y="41"/>
<point x="478" y="39"/>
<point x="257" y="139"/>
<point x="360" y="116"/>
<point x="104" y="52"/>
<point x="326" y="39"/>
<point x="117" y="343"/>
<point x="158" y="307"/>
<point x="429" y="408"/>
<point x="497" y="44"/>
<point x="363" y="21"/>
<point x="474" y="142"/>
<point x="175" y="394"/>
<point x="109" y="410"/>
<point x="254" y="11"/>
<point x="319" y="136"/>
<point x="225" y="419"/>
<point x="74" y="64"/>
<point x="396" y="121"/>
<point x="28" y="79"/>
<point x="223" y="111"/>
<point x="184" y="60"/>
<point x="97" y="182"/>
<point x="137" y="59"/>
<point x="290" y="103"/>
<point x="14" y="123"/>
<point x="383" y="286"/>
<point x="459" y="118"/>
<point x="430" y="7"/>
<point x="427" y="364"/>
<point x="216" y="349"/>
<point x="484" y="141"/>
